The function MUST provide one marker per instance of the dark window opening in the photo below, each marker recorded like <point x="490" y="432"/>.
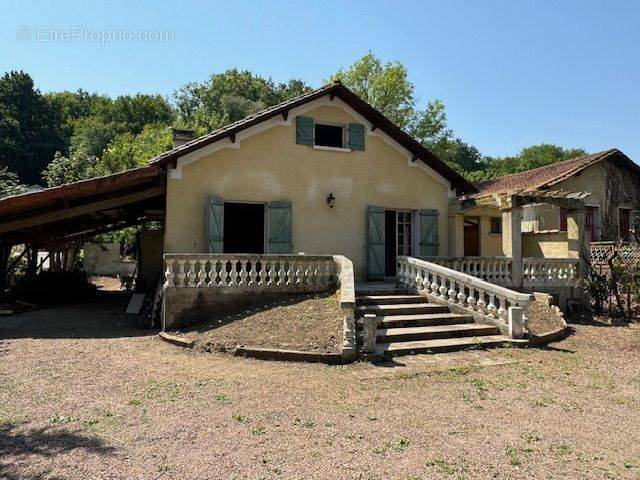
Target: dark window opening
<point x="496" y="225"/>
<point x="563" y="219"/>
<point x="328" y="136"/>
<point x="390" y="243"/>
<point x="243" y="228"/>
<point x="624" y="223"/>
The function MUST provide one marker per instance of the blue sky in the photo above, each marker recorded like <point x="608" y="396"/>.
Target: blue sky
<point x="511" y="73"/>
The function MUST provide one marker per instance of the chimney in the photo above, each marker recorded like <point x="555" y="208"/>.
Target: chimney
<point x="180" y="136"/>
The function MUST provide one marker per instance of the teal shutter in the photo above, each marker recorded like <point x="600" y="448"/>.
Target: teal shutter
<point x="305" y="130"/>
<point x="356" y="136"/>
<point x="215" y="224"/>
<point x="280" y="227"/>
<point x="375" y="243"/>
<point x="429" y="233"/>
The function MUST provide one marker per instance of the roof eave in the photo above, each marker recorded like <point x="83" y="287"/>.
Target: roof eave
<point x="370" y="113"/>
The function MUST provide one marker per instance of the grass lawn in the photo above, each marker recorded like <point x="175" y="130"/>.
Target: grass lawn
<point x="83" y="396"/>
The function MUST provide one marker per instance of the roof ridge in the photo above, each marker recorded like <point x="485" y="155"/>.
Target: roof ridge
<point x="581" y="157"/>
<point x="353" y="101"/>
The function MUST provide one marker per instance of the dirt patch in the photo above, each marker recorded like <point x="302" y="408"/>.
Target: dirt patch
<point x="83" y="396"/>
<point x="302" y="322"/>
<point x="106" y="284"/>
<point x="542" y="318"/>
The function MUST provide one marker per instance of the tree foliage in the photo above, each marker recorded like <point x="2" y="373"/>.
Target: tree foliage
<point x="28" y="130"/>
<point x="531" y="157"/>
<point x="10" y="183"/>
<point x="389" y="90"/>
<point x="62" y="137"/>
<point x="230" y="96"/>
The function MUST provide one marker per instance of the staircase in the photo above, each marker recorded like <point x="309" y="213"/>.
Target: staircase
<point x="409" y="324"/>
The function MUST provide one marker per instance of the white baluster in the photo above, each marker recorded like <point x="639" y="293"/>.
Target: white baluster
<point x="452" y="291"/>
<point x="202" y="274"/>
<point x="471" y="299"/>
<point x="191" y="274"/>
<point x="461" y="295"/>
<point x="168" y="274"/>
<point x="443" y="287"/>
<point x="253" y="274"/>
<point x="491" y="308"/>
<point x="481" y="303"/>
<point x="426" y="283"/>
<point x="180" y="275"/>
<point x="502" y="311"/>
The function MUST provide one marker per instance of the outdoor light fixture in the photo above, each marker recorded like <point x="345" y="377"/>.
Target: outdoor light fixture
<point x="331" y="200"/>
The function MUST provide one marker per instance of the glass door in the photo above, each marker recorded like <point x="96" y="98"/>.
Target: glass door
<point x="403" y="232"/>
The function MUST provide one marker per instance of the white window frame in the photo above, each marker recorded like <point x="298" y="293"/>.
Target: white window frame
<point x="345" y="137"/>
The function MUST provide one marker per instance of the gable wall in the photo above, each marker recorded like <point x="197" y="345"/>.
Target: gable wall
<point x="271" y="166"/>
<point x="611" y="187"/>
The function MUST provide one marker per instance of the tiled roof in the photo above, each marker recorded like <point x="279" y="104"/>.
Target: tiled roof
<point x="543" y="177"/>
<point x="354" y="101"/>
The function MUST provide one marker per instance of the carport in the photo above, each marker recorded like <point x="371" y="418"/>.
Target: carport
<point x="55" y="219"/>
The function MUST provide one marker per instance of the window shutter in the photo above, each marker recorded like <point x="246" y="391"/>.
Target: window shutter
<point x="305" y="129"/>
<point x="215" y="224"/>
<point x="375" y="243"/>
<point x="280" y="227"/>
<point x="429" y="233"/>
<point x="356" y="136"/>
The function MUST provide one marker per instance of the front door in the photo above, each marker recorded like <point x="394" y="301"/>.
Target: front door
<point x="471" y="237"/>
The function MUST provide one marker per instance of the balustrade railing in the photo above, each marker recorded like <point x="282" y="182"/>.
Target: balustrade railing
<point x="273" y="272"/>
<point x="492" y="269"/>
<point x="462" y="290"/>
<point x="549" y="271"/>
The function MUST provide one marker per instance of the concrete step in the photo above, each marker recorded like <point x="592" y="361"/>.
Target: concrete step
<point x="365" y="291"/>
<point x="402" y="309"/>
<point x="440" y="345"/>
<point x="425" y="319"/>
<point x="413" y="334"/>
<point x="390" y="299"/>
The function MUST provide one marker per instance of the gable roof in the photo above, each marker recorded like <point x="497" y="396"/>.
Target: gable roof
<point x="335" y="89"/>
<point x="549" y="175"/>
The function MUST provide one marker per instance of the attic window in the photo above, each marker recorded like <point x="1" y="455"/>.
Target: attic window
<point x="329" y="136"/>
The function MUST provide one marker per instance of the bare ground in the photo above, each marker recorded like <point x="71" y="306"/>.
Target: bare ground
<point x="295" y="322"/>
<point x="82" y="395"/>
<point x="542" y="318"/>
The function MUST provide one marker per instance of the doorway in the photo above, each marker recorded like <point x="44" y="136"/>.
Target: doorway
<point x="398" y="239"/>
<point x="243" y="228"/>
<point x="471" y="237"/>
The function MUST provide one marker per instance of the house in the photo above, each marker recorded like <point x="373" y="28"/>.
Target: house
<point x="610" y="185"/>
<point x="311" y="195"/>
<point x="324" y="173"/>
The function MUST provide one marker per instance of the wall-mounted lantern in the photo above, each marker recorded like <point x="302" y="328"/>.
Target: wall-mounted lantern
<point x="331" y="200"/>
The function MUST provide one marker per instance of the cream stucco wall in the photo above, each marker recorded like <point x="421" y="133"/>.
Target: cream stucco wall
<point x="270" y="166"/>
<point x="490" y="243"/>
<point x="547" y="245"/>
<point x="611" y="186"/>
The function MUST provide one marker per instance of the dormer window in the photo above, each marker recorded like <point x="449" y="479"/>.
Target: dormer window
<point x="329" y="136"/>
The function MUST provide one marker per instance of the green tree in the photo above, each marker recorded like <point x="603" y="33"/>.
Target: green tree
<point x="62" y="170"/>
<point x="228" y="97"/>
<point x="71" y="107"/>
<point x="28" y="133"/>
<point x="530" y="157"/>
<point x="389" y="90"/>
<point x="132" y="112"/>
<point x="128" y="151"/>
<point x="9" y="183"/>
